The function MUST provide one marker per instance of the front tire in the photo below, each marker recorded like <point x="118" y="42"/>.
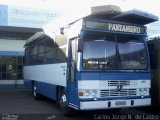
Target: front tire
<point x="36" y="95"/>
<point x="63" y="103"/>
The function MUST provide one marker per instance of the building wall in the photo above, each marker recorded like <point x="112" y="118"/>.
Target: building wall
<point x="12" y="45"/>
<point x="16" y="25"/>
<point x="26" y="17"/>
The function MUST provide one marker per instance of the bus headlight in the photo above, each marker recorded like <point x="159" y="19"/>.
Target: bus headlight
<point x="86" y="93"/>
<point x="143" y="91"/>
<point x="140" y="91"/>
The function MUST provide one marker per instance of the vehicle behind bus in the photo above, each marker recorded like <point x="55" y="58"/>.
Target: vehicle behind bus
<point x="154" y="51"/>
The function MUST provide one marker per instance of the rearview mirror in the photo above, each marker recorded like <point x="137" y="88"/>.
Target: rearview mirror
<point x="80" y="45"/>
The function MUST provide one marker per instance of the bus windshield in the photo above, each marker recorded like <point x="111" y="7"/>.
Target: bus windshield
<point x="114" y="53"/>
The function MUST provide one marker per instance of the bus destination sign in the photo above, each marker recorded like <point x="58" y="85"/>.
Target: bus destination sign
<point x="116" y="27"/>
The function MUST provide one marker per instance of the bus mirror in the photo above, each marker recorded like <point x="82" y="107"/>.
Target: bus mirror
<point x="80" y="45"/>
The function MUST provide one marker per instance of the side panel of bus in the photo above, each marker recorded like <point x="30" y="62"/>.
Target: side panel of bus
<point x="46" y="66"/>
<point x="47" y="77"/>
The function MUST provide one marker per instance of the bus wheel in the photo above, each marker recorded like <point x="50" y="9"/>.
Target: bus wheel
<point x="34" y="92"/>
<point x="62" y="101"/>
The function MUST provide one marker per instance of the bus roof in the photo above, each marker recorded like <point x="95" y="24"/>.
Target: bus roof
<point x="131" y="16"/>
<point x="136" y="17"/>
<point x="107" y="12"/>
<point x="34" y="37"/>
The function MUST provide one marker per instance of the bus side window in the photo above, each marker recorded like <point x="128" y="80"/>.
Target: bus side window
<point x="41" y="53"/>
<point x="60" y="40"/>
<point x="60" y="48"/>
<point x="34" y="55"/>
<point x="60" y="55"/>
<point x="27" y="56"/>
<point x="49" y="51"/>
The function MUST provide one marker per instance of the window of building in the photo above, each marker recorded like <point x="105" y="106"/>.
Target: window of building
<point x="11" y="67"/>
<point x="14" y="35"/>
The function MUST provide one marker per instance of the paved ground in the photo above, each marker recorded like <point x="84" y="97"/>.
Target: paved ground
<point x="20" y="105"/>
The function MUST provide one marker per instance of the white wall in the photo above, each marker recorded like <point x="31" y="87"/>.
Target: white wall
<point x="12" y="45"/>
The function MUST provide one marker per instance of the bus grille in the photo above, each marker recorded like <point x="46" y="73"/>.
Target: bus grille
<point x="115" y="93"/>
<point x="121" y="82"/>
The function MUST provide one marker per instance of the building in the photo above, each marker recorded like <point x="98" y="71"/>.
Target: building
<point x="16" y="25"/>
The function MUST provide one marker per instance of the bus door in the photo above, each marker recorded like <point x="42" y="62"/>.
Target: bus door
<point x="71" y="84"/>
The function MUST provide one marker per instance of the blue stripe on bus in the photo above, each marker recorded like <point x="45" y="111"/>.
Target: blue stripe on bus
<point x="46" y="89"/>
<point x="28" y="84"/>
<point x="113" y="76"/>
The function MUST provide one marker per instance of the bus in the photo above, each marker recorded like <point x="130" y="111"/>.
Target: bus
<point x="99" y="61"/>
<point x="153" y="43"/>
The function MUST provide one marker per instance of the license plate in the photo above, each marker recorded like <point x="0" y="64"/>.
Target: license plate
<point x="120" y="103"/>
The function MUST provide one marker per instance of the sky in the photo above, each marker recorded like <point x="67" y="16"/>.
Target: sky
<point x="83" y="6"/>
<point x="151" y="6"/>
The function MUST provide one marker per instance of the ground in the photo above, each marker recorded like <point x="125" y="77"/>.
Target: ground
<point x="20" y="105"/>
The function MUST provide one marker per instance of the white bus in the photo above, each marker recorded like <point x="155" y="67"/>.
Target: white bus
<point x="97" y="62"/>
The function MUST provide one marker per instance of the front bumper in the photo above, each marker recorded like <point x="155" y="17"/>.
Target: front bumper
<point x="92" y="105"/>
